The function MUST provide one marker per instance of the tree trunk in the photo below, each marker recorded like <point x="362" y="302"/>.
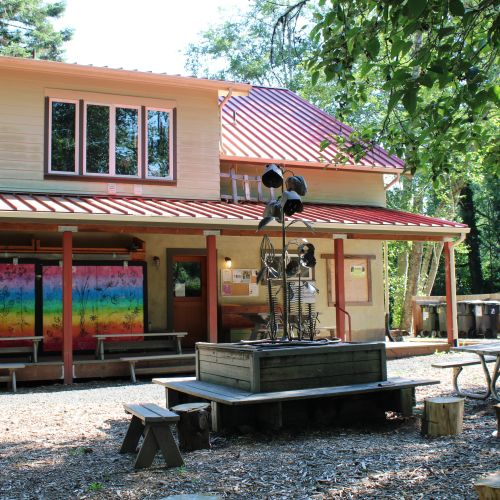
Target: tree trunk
<point x="411" y="284"/>
<point x="429" y="284"/>
<point x="426" y="262"/>
<point x="472" y="241"/>
<point x="443" y="416"/>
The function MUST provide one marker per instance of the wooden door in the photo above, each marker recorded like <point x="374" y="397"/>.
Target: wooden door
<point x="189" y="297"/>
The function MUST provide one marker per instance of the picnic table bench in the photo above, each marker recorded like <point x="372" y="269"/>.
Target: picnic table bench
<point x="457" y="366"/>
<point x="32" y="349"/>
<point x="189" y="364"/>
<point x="11" y="377"/>
<point x="153" y="422"/>
<point x="272" y="408"/>
<point x="161" y="340"/>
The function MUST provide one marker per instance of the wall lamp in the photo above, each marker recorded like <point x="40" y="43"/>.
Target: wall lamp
<point x="229" y="262"/>
<point x="156" y="261"/>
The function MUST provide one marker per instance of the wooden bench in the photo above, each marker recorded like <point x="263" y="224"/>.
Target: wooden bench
<point x="457" y="366"/>
<point x="32" y="349"/>
<point x="153" y="422"/>
<point x="189" y="364"/>
<point x="170" y="340"/>
<point x="268" y="406"/>
<point x="11" y="377"/>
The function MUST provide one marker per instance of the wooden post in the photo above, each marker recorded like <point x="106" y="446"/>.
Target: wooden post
<point x="193" y="426"/>
<point x="451" y="293"/>
<point x="212" y="287"/>
<point x="67" y="285"/>
<point x="443" y="416"/>
<point x="338" y="251"/>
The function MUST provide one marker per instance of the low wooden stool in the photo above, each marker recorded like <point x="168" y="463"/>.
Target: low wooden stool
<point x="193" y="426"/>
<point x="443" y="416"/>
<point x="497" y="411"/>
<point x="488" y="487"/>
<point x="153" y="422"/>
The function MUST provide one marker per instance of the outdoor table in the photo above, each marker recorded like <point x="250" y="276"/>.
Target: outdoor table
<point x="482" y="350"/>
<point x="34" y="340"/>
<point x="99" y="351"/>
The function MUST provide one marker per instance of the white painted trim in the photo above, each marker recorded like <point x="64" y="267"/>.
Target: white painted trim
<point x="77" y="136"/>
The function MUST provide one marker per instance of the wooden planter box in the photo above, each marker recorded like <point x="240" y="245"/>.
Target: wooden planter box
<point x="261" y="369"/>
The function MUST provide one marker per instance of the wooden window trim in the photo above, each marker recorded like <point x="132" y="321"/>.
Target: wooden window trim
<point x="82" y="99"/>
<point x="330" y="286"/>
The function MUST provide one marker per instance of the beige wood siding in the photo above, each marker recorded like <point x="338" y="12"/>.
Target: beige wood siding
<point x="324" y="185"/>
<point x="22" y="136"/>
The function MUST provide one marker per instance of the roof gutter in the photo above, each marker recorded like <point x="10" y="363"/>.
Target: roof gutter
<point x="394" y="181"/>
<point x="221" y="107"/>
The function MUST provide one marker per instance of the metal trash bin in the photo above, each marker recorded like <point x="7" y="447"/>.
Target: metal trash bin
<point x="486" y="315"/>
<point x="442" y="319"/>
<point x="466" y="318"/>
<point x="430" y="325"/>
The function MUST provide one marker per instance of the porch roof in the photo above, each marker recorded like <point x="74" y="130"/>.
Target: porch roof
<point x="165" y="212"/>
<point x="272" y="125"/>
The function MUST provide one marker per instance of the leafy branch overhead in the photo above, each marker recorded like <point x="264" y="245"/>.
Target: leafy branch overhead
<point x="432" y="63"/>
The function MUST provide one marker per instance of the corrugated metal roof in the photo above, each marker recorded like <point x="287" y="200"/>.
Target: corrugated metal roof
<point x="277" y="124"/>
<point x="348" y="215"/>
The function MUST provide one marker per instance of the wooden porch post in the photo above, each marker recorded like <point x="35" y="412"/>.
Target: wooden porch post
<point x="338" y="252"/>
<point x="451" y="293"/>
<point x="67" y="284"/>
<point x="212" y="285"/>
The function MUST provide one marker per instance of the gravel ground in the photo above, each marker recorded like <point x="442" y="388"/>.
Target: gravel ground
<point x="62" y="442"/>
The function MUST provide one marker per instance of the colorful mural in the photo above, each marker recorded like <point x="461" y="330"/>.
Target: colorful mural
<point x="106" y="299"/>
<point x="17" y="301"/>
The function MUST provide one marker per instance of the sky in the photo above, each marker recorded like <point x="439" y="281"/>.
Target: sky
<point x="148" y="35"/>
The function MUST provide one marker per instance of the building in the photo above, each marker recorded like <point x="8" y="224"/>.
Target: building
<point x="123" y="194"/>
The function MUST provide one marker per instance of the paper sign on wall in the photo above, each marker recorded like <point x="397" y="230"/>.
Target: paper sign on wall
<point x="239" y="283"/>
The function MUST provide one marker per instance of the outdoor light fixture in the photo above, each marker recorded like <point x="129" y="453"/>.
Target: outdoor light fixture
<point x="298" y="184"/>
<point x="292" y="268"/>
<point x="272" y="176"/>
<point x="156" y="261"/>
<point x="229" y="262"/>
<point x="306" y="252"/>
<point x="291" y="203"/>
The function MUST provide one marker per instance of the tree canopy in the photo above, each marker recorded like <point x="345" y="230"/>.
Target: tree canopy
<point x="26" y="29"/>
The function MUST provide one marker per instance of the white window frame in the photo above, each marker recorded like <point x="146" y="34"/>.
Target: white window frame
<point x="76" y="102"/>
<point x="112" y="140"/>
<point x="170" y="143"/>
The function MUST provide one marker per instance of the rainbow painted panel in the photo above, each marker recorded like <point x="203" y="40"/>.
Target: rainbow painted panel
<point x="106" y="299"/>
<point x="17" y="301"/>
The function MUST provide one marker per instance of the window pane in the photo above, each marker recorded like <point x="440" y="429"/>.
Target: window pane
<point x="127" y="130"/>
<point x="158" y="143"/>
<point x="97" y="139"/>
<point x="187" y="279"/>
<point x="62" y="151"/>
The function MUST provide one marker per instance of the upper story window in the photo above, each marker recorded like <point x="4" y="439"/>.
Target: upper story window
<point x="101" y="136"/>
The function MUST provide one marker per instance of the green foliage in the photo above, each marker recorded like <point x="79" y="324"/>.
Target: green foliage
<point x="95" y="486"/>
<point x="434" y="63"/>
<point x="26" y="29"/>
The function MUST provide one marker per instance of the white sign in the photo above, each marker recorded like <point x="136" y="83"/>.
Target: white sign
<point x="180" y="289"/>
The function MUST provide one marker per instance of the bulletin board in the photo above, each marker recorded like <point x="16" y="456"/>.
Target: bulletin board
<point x="239" y="283"/>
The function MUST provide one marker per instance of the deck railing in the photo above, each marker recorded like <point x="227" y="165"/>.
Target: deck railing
<point x="247" y="182"/>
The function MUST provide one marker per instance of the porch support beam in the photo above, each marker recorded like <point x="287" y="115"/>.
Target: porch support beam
<point x="212" y="287"/>
<point x="338" y="251"/>
<point x="451" y="293"/>
<point x="67" y="284"/>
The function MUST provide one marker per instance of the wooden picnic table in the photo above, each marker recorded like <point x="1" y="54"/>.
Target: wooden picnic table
<point x="483" y="350"/>
<point x="101" y="338"/>
<point x="19" y="349"/>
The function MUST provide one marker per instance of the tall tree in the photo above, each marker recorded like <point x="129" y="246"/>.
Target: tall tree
<point x="26" y="29"/>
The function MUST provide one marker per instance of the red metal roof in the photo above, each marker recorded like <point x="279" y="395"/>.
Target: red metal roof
<point x="348" y="215"/>
<point x="277" y="124"/>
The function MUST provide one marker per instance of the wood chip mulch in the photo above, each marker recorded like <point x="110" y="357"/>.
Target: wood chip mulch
<point x="61" y="442"/>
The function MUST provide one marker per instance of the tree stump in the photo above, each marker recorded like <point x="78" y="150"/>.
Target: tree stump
<point x="488" y="488"/>
<point x="497" y="411"/>
<point x="193" y="426"/>
<point x="443" y="416"/>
